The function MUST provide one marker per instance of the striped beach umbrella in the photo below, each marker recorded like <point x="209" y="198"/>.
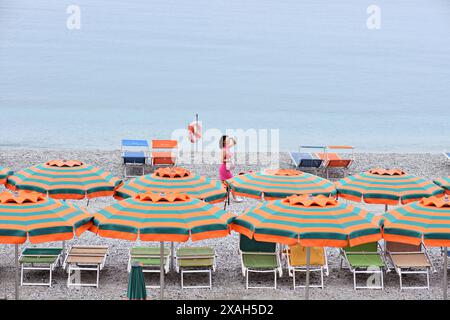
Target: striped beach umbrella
<point x="279" y="183"/>
<point x="177" y="180"/>
<point x="444" y="183"/>
<point x="162" y="217"/>
<point x="388" y="187"/>
<point x="4" y="174"/>
<point x="310" y="221"/>
<point x="427" y="221"/>
<point x="36" y="218"/>
<point x="61" y="179"/>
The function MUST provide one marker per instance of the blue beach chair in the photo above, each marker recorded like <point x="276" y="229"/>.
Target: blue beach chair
<point x="305" y="159"/>
<point x="134" y="154"/>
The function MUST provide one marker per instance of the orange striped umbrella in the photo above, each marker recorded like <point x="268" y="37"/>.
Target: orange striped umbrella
<point x="388" y="187"/>
<point x="61" y="179"/>
<point x="4" y="174"/>
<point x="444" y="183"/>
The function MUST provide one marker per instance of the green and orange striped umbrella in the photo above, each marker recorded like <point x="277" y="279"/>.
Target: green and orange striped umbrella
<point x="61" y="179"/>
<point x="280" y="183"/>
<point x="444" y="183"/>
<point x="177" y="180"/>
<point x="310" y="221"/>
<point x="388" y="187"/>
<point x="34" y="217"/>
<point x="4" y="174"/>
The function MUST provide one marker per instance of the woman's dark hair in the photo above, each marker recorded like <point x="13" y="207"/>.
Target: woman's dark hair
<point x="223" y="142"/>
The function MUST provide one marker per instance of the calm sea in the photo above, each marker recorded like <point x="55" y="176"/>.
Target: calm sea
<point x="142" y="68"/>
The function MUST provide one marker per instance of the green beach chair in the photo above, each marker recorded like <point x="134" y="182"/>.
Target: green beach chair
<point x="149" y="259"/>
<point x="364" y="259"/>
<point x="196" y="260"/>
<point x="259" y="257"/>
<point x="39" y="259"/>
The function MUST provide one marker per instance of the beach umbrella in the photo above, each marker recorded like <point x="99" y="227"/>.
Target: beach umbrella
<point x="36" y="218"/>
<point x="311" y="221"/>
<point x="62" y="179"/>
<point x="177" y="180"/>
<point x="384" y="186"/>
<point x="427" y="221"/>
<point x="161" y="217"/>
<point x="4" y="174"/>
<point x="279" y="183"/>
<point x="136" y="283"/>
<point x="444" y="183"/>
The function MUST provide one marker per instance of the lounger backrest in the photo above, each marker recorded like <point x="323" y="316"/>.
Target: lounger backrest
<point x="251" y="245"/>
<point x="367" y="247"/>
<point x="164" y="144"/>
<point x="402" y="247"/>
<point x="298" y="256"/>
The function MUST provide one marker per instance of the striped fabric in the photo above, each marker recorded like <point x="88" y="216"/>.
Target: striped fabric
<point x="174" y="180"/>
<point x="4" y="173"/>
<point x="276" y="184"/>
<point x="310" y="221"/>
<point x="30" y="215"/>
<point x="162" y="217"/>
<point x="65" y="180"/>
<point x="389" y="187"/>
<point x="427" y="220"/>
<point x="444" y="183"/>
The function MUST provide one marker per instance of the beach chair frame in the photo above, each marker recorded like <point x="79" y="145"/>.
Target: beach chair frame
<point x="327" y="161"/>
<point x="308" y="150"/>
<point x="150" y="269"/>
<point x="246" y="271"/>
<point x="31" y="266"/>
<point x="169" y="147"/>
<point x="129" y="145"/>
<point x="74" y="266"/>
<point x="182" y="270"/>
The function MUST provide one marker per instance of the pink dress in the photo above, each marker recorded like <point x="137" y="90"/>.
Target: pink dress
<point x="224" y="173"/>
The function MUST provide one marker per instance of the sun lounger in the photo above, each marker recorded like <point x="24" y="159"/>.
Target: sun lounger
<point x="39" y="259"/>
<point x="196" y="260"/>
<point x="149" y="259"/>
<point x="168" y="157"/>
<point x="134" y="154"/>
<point x="335" y="160"/>
<point x="84" y="258"/>
<point x="296" y="262"/>
<point x="409" y="259"/>
<point x="259" y="257"/>
<point x="364" y="259"/>
<point x="305" y="159"/>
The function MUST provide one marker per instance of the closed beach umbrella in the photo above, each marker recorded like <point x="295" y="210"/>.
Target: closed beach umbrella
<point x="61" y="179"/>
<point x="33" y="217"/>
<point x="384" y="186"/>
<point x="444" y="183"/>
<point x="279" y="183"/>
<point x="310" y="221"/>
<point x="136" y="283"/>
<point x="174" y="180"/>
<point x="427" y="221"/>
<point x="162" y="217"/>
<point x="4" y="174"/>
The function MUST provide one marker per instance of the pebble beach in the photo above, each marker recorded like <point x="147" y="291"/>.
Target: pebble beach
<point x="228" y="282"/>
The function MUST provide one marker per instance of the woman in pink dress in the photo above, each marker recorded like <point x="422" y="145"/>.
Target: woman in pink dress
<point x="226" y="143"/>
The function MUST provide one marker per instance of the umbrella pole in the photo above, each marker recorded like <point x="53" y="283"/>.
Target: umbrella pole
<point x="308" y="258"/>
<point x="445" y="272"/>
<point x="385" y="208"/>
<point x="161" y="270"/>
<point x="16" y="262"/>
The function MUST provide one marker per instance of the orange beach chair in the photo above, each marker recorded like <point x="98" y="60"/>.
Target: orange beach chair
<point x="341" y="158"/>
<point x="164" y="152"/>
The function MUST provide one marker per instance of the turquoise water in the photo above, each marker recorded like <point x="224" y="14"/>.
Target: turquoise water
<point x="143" y="68"/>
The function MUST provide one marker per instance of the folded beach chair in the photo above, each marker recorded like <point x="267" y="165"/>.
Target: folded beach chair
<point x="167" y="157"/>
<point x="335" y="160"/>
<point x="149" y="259"/>
<point x="409" y="259"/>
<point x="305" y="159"/>
<point x="134" y="155"/>
<point x="364" y="259"/>
<point x="39" y="259"/>
<point x="259" y="257"/>
<point x="296" y="262"/>
<point x="196" y="260"/>
<point x="84" y="258"/>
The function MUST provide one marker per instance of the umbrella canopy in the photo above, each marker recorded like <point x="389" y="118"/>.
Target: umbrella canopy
<point x="280" y="183"/>
<point x="30" y="215"/>
<point x="310" y="221"/>
<point x="444" y="183"/>
<point x="136" y="284"/>
<point x="62" y="179"/>
<point x="4" y="173"/>
<point x="388" y="187"/>
<point x="174" y="180"/>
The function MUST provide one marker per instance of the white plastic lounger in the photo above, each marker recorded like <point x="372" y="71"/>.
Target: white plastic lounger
<point x="39" y="259"/>
<point x="149" y="259"/>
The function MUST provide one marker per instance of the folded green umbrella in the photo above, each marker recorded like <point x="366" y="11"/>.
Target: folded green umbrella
<point x="136" y="283"/>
